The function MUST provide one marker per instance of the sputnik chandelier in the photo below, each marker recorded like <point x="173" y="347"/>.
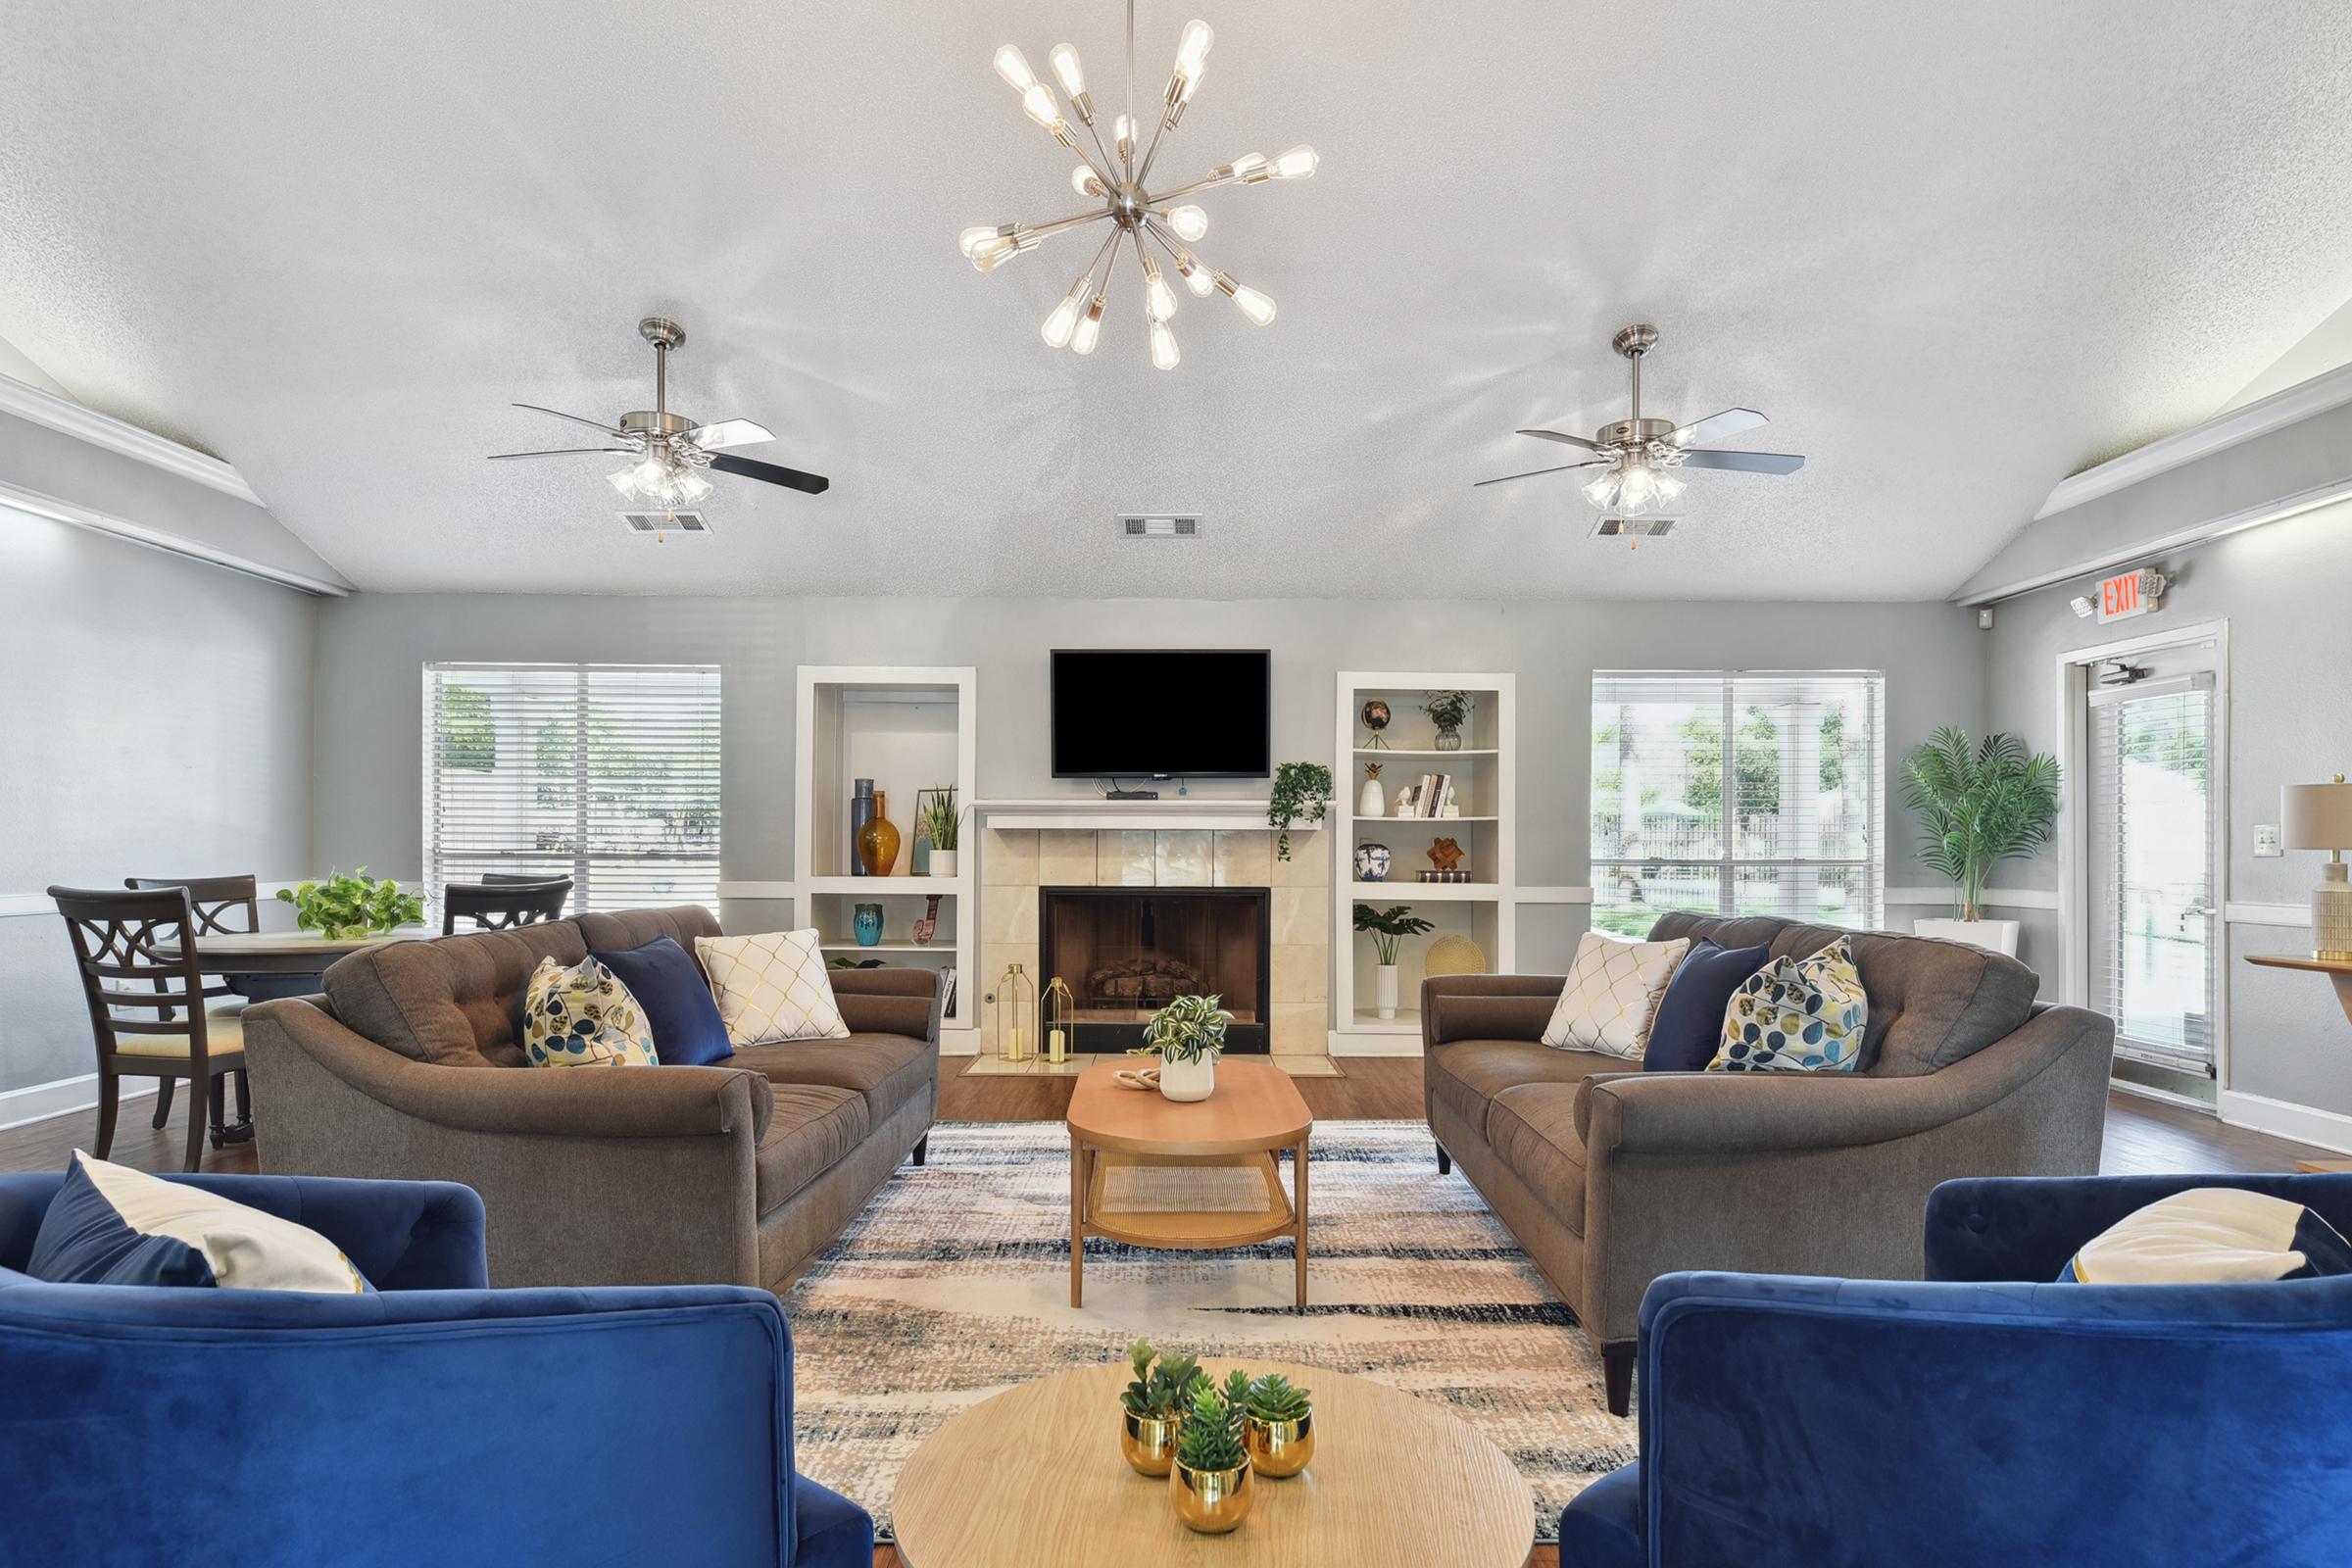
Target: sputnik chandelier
<point x="1136" y="213"/>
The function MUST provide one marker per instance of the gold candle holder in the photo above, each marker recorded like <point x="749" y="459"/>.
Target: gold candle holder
<point x="1057" y="1020"/>
<point x="1017" y="1015"/>
<point x="1210" y="1501"/>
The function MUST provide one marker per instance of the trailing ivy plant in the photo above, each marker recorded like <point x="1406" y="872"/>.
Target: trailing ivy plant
<point x="1211" y="1439"/>
<point x="1389" y="927"/>
<point x="1301" y="793"/>
<point x="1161" y="1384"/>
<point x="1979" y="807"/>
<point x="1186" y="1030"/>
<point x="351" y="906"/>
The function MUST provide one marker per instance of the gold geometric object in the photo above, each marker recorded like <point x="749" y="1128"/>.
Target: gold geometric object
<point x="1454" y="955"/>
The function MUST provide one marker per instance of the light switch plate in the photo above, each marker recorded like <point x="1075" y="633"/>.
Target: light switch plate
<point x="2266" y="839"/>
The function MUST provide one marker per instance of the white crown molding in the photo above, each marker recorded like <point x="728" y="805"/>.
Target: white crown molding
<point x="2330" y="389"/>
<point x="46" y="409"/>
<point x="1170" y="813"/>
<point x="139" y="533"/>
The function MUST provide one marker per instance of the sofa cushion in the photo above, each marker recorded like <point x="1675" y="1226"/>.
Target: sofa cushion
<point x="1932" y="1003"/>
<point x="1467" y="1075"/>
<point x="618" y="931"/>
<point x="1796" y="1015"/>
<point x="675" y="999"/>
<point x="888" y="1070"/>
<point x="1688" y="1030"/>
<point x="1612" y="993"/>
<point x="112" y="1225"/>
<point x="455" y="1001"/>
<point x="582" y="1016"/>
<point x="2212" y="1236"/>
<point x="1532" y="1129"/>
<point x="771" y="987"/>
<point x="812" y="1126"/>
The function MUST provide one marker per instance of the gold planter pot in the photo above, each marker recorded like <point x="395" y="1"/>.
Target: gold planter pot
<point x="1212" y="1501"/>
<point x="1278" y="1448"/>
<point x="1147" y="1443"/>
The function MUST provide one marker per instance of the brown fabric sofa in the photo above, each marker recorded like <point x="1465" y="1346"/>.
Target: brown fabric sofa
<point x="1609" y="1177"/>
<point x="738" y="1173"/>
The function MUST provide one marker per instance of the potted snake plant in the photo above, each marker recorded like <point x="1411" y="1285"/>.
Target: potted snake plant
<point x="1186" y="1036"/>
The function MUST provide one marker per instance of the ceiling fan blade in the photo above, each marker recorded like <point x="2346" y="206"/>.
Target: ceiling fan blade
<point x="727" y="434"/>
<point x="1566" y="440"/>
<point x="1744" y="461"/>
<point x="814" y="484"/>
<point x="1715" y="427"/>
<point x="1591" y="462"/>
<point x="573" y="418"/>
<point x="559" y="452"/>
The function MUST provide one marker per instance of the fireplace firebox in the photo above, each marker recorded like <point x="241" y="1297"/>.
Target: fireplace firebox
<point x="1126" y="953"/>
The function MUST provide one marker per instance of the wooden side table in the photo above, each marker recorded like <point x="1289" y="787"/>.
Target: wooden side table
<point x="2339" y="973"/>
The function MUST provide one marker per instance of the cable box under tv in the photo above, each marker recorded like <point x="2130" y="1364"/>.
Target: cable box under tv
<point x="1132" y="795"/>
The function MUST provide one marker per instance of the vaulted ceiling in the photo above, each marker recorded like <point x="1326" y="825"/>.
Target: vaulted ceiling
<point x="1956" y="252"/>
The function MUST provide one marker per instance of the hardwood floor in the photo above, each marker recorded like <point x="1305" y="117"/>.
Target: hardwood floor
<point x="2142" y="1136"/>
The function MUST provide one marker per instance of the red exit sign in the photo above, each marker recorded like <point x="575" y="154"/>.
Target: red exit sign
<point x="2121" y="597"/>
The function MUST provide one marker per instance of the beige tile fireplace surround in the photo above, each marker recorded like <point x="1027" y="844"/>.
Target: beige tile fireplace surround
<point x="1014" y="863"/>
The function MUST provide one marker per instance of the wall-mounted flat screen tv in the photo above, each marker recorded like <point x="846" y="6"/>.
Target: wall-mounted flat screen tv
<point x="1161" y="713"/>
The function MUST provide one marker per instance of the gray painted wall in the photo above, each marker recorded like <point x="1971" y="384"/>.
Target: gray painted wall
<point x="156" y="721"/>
<point x="2284" y="590"/>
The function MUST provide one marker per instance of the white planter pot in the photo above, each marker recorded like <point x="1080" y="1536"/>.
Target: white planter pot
<point x="1187" y="1080"/>
<point x="942" y="863"/>
<point x="1384" y="990"/>
<point x="1993" y="936"/>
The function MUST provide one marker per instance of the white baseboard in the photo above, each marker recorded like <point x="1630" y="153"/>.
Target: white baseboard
<point x="33" y="1103"/>
<point x="2305" y="1124"/>
<point x="1354" y="1044"/>
<point x="960" y="1042"/>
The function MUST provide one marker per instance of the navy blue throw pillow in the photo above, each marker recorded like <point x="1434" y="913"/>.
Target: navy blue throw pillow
<point x="675" y="999"/>
<point x="85" y="1241"/>
<point x="1687" y="1029"/>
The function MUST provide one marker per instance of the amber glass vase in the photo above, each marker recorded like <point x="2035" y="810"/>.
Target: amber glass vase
<point x="878" y="841"/>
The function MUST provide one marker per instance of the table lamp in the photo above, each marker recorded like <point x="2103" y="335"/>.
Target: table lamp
<point x="2319" y="816"/>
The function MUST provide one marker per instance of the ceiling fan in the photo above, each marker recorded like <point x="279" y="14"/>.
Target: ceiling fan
<point x="670" y="451"/>
<point x="1638" y="456"/>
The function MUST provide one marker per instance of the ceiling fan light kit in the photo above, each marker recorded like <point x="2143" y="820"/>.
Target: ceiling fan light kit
<point x="1113" y="174"/>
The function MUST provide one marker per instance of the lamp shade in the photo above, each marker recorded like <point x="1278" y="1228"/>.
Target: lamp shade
<point x="2316" y="816"/>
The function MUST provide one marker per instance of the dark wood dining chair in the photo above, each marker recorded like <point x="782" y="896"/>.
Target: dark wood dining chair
<point x="224" y="905"/>
<point x="137" y="952"/>
<point x="502" y="901"/>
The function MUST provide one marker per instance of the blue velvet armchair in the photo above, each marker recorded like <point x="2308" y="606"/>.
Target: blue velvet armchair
<point x="1987" y="1416"/>
<point x="436" y="1421"/>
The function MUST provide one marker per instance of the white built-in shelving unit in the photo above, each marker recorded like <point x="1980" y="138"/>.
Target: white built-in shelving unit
<point x="908" y="728"/>
<point x="1483" y="908"/>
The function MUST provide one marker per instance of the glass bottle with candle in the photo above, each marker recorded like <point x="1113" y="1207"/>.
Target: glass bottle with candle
<point x="1058" y="1019"/>
<point x="1017" y="1015"/>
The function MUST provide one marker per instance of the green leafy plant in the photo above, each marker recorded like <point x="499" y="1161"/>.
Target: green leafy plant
<point x="1979" y="807"/>
<point x="351" y="906"/>
<point x="939" y="819"/>
<point x="1301" y="793"/>
<point x="1211" y="1439"/>
<point x="1389" y="927"/>
<point x="1186" y="1030"/>
<point x="1162" y="1385"/>
<point x="1273" y="1398"/>
<point x="1447" y="709"/>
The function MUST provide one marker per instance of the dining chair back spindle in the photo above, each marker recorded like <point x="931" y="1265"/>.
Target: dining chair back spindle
<point x="502" y="901"/>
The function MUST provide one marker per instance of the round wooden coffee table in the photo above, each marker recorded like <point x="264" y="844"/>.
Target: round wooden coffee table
<point x="1152" y="1171"/>
<point x="1034" y="1476"/>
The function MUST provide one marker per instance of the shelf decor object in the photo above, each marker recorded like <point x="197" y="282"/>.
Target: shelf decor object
<point x="1376" y="716"/>
<point x="1058" y="1019"/>
<point x="1372" y="863"/>
<point x="939" y="819"/>
<point x="1301" y="793"/>
<point x="862" y="811"/>
<point x="1113" y="176"/>
<point x="1450" y="711"/>
<point x="867" y="924"/>
<point x="1017" y="1015"/>
<point x="1371" y="800"/>
<point x="928" y="926"/>
<point x="2319" y="816"/>
<point x="879" y="840"/>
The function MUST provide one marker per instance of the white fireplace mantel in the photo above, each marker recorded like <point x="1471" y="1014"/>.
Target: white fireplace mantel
<point x="1170" y="813"/>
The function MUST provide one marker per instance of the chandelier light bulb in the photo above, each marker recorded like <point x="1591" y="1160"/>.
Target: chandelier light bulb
<point x="1090" y="329"/>
<point x="1039" y="105"/>
<point x="1188" y="221"/>
<point x="1670" y="488"/>
<point x="1602" y="491"/>
<point x="972" y="240"/>
<point x="1084" y="182"/>
<point x="1122" y="133"/>
<point x="989" y="250"/>
<point x="625" y="481"/>
<point x="1191" y="51"/>
<point x="693" y="486"/>
<point x="1196" y="277"/>
<point x="1250" y="168"/>
<point x="1013" y="66"/>
<point x="1254" y="304"/>
<point x="1297" y="164"/>
<point x="1159" y="300"/>
<point x="1064" y="320"/>
<point x="1164" y="354"/>
<point x="1068" y="70"/>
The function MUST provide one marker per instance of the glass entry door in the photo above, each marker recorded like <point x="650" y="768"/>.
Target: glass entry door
<point x="2153" y="874"/>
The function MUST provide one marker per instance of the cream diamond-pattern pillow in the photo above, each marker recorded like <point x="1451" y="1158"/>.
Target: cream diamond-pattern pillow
<point x="1613" y="988"/>
<point x="771" y="987"/>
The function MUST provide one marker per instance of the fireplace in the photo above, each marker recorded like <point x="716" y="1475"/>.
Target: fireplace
<point x="1125" y="953"/>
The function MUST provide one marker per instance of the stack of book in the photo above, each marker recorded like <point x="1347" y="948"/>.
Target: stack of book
<point x="1432" y="795"/>
<point x="1444" y="876"/>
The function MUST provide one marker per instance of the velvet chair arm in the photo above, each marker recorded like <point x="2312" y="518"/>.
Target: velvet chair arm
<point x="2026" y="1228"/>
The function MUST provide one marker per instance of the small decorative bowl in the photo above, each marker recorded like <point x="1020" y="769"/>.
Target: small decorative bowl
<point x="1147" y="1443"/>
<point x="1210" y="1501"/>
<point x="1278" y="1448"/>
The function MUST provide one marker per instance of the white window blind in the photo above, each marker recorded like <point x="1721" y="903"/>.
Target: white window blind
<point x="605" y="774"/>
<point x="1787" y="819"/>
<point x="2151" y="858"/>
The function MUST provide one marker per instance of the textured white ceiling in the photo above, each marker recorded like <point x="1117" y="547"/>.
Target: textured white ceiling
<point x="1956" y="252"/>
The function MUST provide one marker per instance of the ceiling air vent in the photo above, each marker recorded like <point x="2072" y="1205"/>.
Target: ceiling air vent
<point x="1136" y="526"/>
<point x="1633" y="528"/>
<point x="660" y="525"/>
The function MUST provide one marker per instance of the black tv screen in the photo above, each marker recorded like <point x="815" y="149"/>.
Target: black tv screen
<point x="1160" y="713"/>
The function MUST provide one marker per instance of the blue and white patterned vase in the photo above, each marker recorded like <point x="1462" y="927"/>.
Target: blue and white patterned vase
<point x="1372" y="863"/>
<point x="868" y="925"/>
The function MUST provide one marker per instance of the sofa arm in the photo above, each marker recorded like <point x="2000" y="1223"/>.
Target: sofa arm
<point x="2026" y="1228"/>
<point x="1487" y="1007"/>
<point x="890" y="1002"/>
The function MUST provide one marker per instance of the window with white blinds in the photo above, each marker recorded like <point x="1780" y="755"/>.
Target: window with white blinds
<point x="1787" y="819"/>
<point x="2151" y="864"/>
<point x="605" y="774"/>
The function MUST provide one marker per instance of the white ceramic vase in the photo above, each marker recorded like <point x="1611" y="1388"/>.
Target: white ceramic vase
<point x="1384" y="990"/>
<point x="942" y="863"/>
<point x="1993" y="936"/>
<point x="1187" y="1080"/>
<point x="1371" y="800"/>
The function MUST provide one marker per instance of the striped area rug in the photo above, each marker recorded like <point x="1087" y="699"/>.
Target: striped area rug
<point x="955" y="1283"/>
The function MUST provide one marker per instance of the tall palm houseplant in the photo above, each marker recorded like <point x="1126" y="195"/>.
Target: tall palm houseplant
<point x="1978" y="805"/>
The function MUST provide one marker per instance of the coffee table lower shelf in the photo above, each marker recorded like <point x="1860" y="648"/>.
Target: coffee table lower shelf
<point x="1185" y="1201"/>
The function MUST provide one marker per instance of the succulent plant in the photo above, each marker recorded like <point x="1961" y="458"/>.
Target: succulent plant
<point x="1272" y="1399"/>
<point x="1211" y="1439"/>
<point x="1157" y="1391"/>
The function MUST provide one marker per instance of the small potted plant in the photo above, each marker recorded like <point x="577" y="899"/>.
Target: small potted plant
<point x="344" y="906"/>
<point x="1388" y="926"/>
<point x="1301" y="793"/>
<point x="1152" y="1408"/>
<point x="1450" y="711"/>
<point x="1210" y="1480"/>
<point x="1186" y="1036"/>
<point x="1978" y="806"/>
<point x="942" y="823"/>
<point x="1278" y="1423"/>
